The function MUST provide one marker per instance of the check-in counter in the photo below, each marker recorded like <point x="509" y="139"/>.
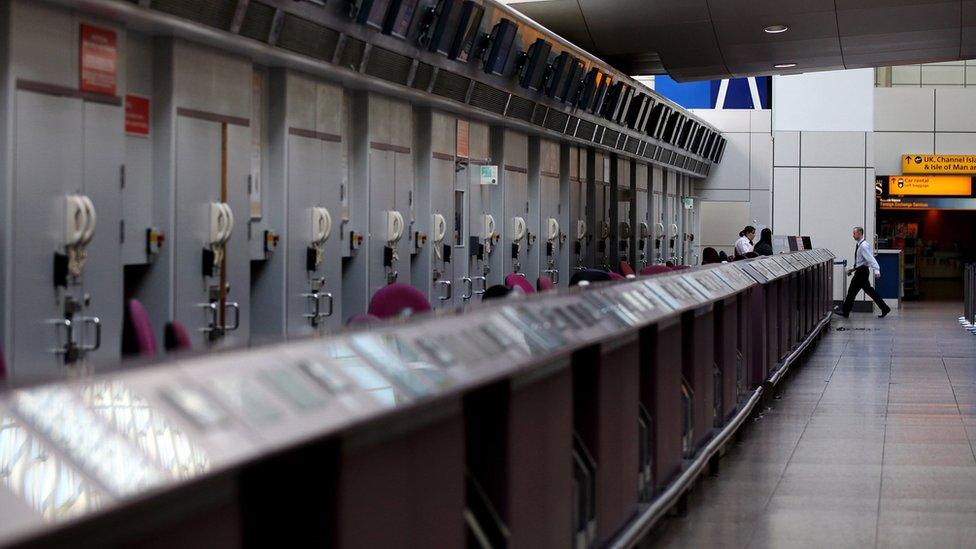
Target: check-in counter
<point x="548" y="420"/>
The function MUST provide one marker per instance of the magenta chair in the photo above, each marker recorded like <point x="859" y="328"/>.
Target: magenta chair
<point x="626" y="269"/>
<point x="680" y="267"/>
<point x="137" y="331"/>
<point x="176" y="338"/>
<point x="545" y="283"/>
<point x="515" y="280"/>
<point x="3" y="366"/>
<point x="655" y="269"/>
<point x="615" y="276"/>
<point x="396" y="299"/>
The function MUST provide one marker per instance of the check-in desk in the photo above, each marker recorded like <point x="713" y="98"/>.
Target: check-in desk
<point x="548" y="420"/>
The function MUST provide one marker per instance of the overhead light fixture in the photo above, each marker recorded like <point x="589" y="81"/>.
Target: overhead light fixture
<point x="776" y="29"/>
<point x="784" y="65"/>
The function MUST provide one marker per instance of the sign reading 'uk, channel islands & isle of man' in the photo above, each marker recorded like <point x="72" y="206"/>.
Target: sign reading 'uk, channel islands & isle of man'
<point x="938" y="164"/>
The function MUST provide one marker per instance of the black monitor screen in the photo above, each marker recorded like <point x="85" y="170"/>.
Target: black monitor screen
<point x="807" y="243"/>
<point x="556" y="86"/>
<point x="470" y="22"/>
<point x="719" y="151"/>
<point x="654" y="122"/>
<point x="372" y="12"/>
<point x="685" y="135"/>
<point x="448" y="15"/>
<point x="399" y="17"/>
<point x="624" y="106"/>
<point x="669" y="127"/>
<point x="696" y="142"/>
<point x="635" y="113"/>
<point x="611" y="104"/>
<point x="536" y="61"/>
<point x="574" y="78"/>
<point x="502" y="38"/>
<point x="590" y="83"/>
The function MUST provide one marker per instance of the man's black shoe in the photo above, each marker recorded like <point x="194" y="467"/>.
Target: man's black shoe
<point x="838" y="311"/>
<point x="884" y="313"/>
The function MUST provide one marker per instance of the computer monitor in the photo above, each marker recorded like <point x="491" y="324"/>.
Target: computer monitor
<point x="615" y="98"/>
<point x="574" y="79"/>
<point x="807" y="243"/>
<point x="399" y="17"/>
<point x="635" y="113"/>
<point x="600" y="97"/>
<point x="502" y="38"/>
<point x="470" y="25"/>
<point x="371" y="12"/>
<point x="588" y="90"/>
<point x="795" y="243"/>
<point x="556" y="85"/>
<point x="446" y="27"/>
<point x="536" y="61"/>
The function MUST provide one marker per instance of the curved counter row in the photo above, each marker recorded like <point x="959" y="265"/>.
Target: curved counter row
<point x="561" y="418"/>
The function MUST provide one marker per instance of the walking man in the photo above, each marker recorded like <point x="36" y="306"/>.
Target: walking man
<point x="864" y="263"/>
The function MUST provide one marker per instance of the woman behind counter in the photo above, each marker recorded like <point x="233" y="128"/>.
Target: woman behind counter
<point x="765" y="244"/>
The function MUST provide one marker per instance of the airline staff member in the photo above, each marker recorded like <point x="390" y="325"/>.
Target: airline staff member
<point x="744" y="244"/>
<point x="864" y="263"/>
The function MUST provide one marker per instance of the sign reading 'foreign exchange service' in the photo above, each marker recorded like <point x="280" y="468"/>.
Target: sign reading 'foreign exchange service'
<point x="938" y="163"/>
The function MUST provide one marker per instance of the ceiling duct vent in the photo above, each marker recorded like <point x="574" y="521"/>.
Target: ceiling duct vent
<point x="649" y="151"/>
<point x="388" y="65"/>
<point x="488" y="98"/>
<point x="520" y="108"/>
<point x="585" y="130"/>
<point x="451" y="85"/>
<point x="257" y="21"/>
<point x="571" y="127"/>
<point x="352" y="54"/>
<point x="539" y="116"/>
<point x="422" y="77"/>
<point x="610" y="138"/>
<point x="212" y="13"/>
<point x="557" y="121"/>
<point x="307" y="38"/>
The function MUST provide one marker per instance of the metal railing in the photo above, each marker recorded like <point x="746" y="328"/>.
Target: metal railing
<point x="968" y="318"/>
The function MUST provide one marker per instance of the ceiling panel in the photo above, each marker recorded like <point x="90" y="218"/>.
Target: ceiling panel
<point x="699" y="39"/>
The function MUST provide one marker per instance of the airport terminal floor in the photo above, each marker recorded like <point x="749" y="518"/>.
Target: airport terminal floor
<point x="870" y="443"/>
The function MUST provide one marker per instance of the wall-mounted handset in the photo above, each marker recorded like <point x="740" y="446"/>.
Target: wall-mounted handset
<point x="394" y="226"/>
<point x="645" y="231"/>
<point x="320" y="227"/>
<point x="624" y="230"/>
<point x="221" y="227"/>
<point x="79" y="228"/>
<point x="438" y="231"/>
<point x="580" y="229"/>
<point x="519" y="228"/>
<point x="604" y="230"/>
<point x="552" y="229"/>
<point x="487" y="226"/>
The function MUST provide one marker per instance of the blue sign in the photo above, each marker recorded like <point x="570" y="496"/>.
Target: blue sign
<point x="736" y="93"/>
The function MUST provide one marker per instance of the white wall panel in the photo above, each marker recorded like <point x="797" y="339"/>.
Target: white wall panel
<point x="733" y="171"/>
<point x="786" y="201"/>
<point x="955" y="110"/>
<point x="909" y="75"/>
<point x="726" y="120"/>
<point x="723" y="194"/>
<point x="904" y="109"/>
<point x="824" y="101"/>
<point x="760" y="212"/>
<point x="832" y="149"/>
<point x="786" y="148"/>
<point x="833" y="202"/>
<point x="760" y="121"/>
<point x="889" y="146"/>
<point x="955" y="143"/>
<point x="761" y="161"/>
<point x="721" y="222"/>
<point x="938" y="75"/>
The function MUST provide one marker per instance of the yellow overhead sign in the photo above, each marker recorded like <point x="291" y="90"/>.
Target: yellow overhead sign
<point x="938" y="163"/>
<point x="930" y="185"/>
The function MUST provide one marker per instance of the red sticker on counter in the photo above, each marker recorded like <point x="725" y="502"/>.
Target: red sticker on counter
<point x="136" y="115"/>
<point x="99" y="60"/>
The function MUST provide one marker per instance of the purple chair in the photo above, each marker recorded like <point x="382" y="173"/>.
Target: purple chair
<point x="651" y="270"/>
<point x="680" y="267"/>
<point x="176" y="338"/>
<point x="357" y="320"/>
<point x="397" y="298"/>
<point x="615" y="276"/>
<point x="3" y="366"/>
<point x="137" y="332"/>
<point x="626" y="269"/>
<point x="515" y="280"/>
<point x="545" y="283"/>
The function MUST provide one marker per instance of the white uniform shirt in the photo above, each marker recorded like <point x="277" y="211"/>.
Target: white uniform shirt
<point x="863" y="256"/>
<point x="742" y="246"/>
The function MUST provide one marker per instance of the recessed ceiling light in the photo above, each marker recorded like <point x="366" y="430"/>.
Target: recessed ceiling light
<point x="784" y="65"/>
<point x="776" y="29"/>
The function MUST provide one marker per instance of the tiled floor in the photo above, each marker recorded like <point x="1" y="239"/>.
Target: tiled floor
<point x="871" y="444"/>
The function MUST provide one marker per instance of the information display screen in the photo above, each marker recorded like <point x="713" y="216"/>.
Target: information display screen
<point x="502" y="39"/>
<point x="470" y="21"/>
